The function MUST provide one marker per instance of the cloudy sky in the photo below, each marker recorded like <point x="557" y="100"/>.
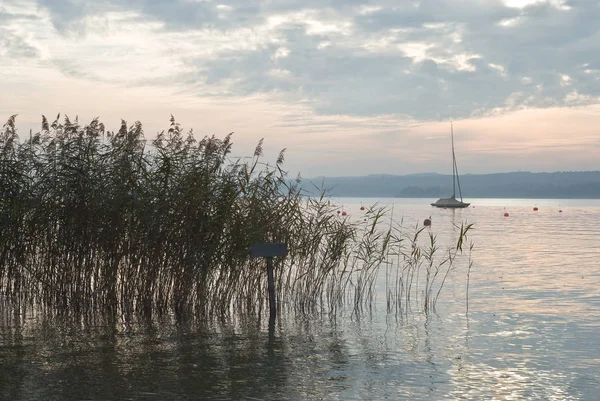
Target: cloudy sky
<point x="349" y="87"/>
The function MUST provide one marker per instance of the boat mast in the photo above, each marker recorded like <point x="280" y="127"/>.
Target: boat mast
<point x="455" y="167"/>
<point x="453" y="162"/>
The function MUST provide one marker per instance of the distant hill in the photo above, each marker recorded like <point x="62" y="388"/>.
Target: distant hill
<point x="567" y="185"/>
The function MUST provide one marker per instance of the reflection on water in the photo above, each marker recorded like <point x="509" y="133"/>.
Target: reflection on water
<point x="531" y="333"/>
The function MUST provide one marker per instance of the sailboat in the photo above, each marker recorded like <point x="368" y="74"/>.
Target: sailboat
<point x="452" y="202"/>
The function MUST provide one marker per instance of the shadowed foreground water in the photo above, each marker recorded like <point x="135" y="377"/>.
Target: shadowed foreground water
<point x="531" y="333"/>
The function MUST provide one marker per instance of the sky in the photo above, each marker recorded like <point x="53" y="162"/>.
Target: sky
<point x="348" y="87"/>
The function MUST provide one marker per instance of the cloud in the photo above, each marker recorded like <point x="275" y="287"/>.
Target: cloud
<point x="15" y="47"/>
<point x="14" y="44"/>
<point x="425" y="59"/>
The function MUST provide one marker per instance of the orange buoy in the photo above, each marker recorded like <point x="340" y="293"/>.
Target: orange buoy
<point x="506" y="214"/>
<point x="535" y="209"/>
<point x="426" y="222"/>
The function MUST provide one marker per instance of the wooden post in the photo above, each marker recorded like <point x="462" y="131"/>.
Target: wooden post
<point x="271" y="289"/>
<point x="270" y="251"/>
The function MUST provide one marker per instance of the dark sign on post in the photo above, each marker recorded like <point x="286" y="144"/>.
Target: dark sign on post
<point x="269" y="251"/>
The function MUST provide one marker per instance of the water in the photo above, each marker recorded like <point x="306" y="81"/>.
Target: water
<point x="531" y="331"/>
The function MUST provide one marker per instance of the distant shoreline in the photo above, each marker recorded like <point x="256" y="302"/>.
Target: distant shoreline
<point x="465" y="198"/>
<point x="517" y="185"/>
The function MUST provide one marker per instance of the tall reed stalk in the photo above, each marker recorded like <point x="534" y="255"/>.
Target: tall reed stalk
<point x="94" y="220"/>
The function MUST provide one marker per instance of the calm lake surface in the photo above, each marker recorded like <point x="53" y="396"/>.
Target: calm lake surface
<point x="532" y="331"/>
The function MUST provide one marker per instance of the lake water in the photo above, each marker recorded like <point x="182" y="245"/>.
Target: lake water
<point x="532" y="331"/>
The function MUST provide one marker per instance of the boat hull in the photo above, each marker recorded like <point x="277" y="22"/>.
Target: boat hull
<point x="461" y="206"/>
<point x="450" y="203"/>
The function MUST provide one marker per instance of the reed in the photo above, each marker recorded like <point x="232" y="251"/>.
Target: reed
<point x="92" y="220"/>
